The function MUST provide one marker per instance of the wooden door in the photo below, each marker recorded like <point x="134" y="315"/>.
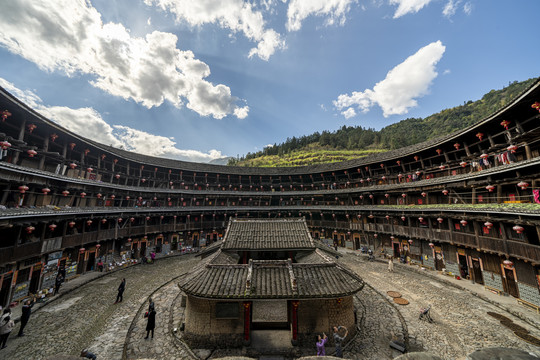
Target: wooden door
<point x="439" y="261"/>
<point x="511" y="284"/>
<point x="477" y="271"/>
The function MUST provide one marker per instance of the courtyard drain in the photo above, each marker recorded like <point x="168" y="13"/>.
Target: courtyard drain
<point x="528" y="338"/>
<point x="515" y="327"/>
<point x="393" y="294"/>
<point x="401" y="301"/>
<point x="498" y="316"/>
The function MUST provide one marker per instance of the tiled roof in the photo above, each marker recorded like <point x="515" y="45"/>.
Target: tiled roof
<point x="267" y="279"/>
<point x="268" y="234"/>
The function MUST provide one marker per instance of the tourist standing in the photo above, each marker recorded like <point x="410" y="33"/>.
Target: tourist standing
<point x="26" y="311"/>
<point x="321" y="341"/>
<point x="6" y="326"/>
<point x="151" y="324"/>
<point x="121" y="289"/>
<point x="150" y="305"/>
<point x="390" y="264"/>
<point x="339" y="339"/>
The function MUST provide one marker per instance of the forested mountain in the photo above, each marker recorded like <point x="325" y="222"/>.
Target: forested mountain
<point x="406" y="132"/>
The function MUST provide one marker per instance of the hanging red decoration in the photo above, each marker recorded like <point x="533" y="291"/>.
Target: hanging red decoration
<point x="98" y="246"/>
<point x="5" y="115"/>
<point x="81" y="250"/>
<point x="103" y="221"/>
<point x="519" y="229"/>
<point x="115" y="161"/>
<point x="463" y="222"/>
<point x="52" y="227"/>
<point x="113" y="196"/>
<point x="375" y="235"/>
<point x="418" y="173"/>
<point x="508" y="263"/>
<point x="83" y="194"/>
<point x="23" y="189"/>
<point x="480" y="136"/>
<point x="29" y="229"/>
<point x="31" y="153"/>
<point x="421" y="219"/>
<point x="4" y="145"/>
<point x="120" y="220"/>
<point x="442" y="167"/>
<point x="54" y="137"/>
<point x="127" y="198"/>
<point x="403" y="195"/>
<point x="98" y="195"/>
<point x="445" y="192"/>
<point x="457" y="145"/>
<point x="490" y="188"/>
<point x="72" y="165"/>
<point x="45" y="190"/>
<point x="89" y="222"/>
<point x="484" y="155"/>
<point x="523" y="185"/>
<point x="117" y="176"/>
<point x="382" y="165"/>
<point x="89" y="169"/>
<point x="71" y="224"/>
<point x="536" y="106"/>
<point x="439" y="151"/>
<point x="400" y="175"/>
<point x="403" y="218"/>
<point x="505" y="124"/>
<point x="103" y="156"/>
<point x="86" y="151"/>
<point x="65" y="193"/>
<point x="387" y="217"/>
<point x="410" y="241"/>
<point x="431" y="245"/>
<point x="512" y="148"/>
<point x="31" y="127"/>
<point x="398" y="162"/>
<point x="440" y="220"/>
<point x="72" y="145"/>
<point x="463" y="163"/>
<point x="488" y="224"/>
<point x="416" y="158"/>
<point x="423" y="194"/>
<point x="386" y="195"/>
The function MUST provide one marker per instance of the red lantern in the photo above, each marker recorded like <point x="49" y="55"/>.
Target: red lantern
<point x="445" y="192"/>
<point x="423" y="194"/>
<point x="512" y="148"/>
<point x="147" y="218"/>
<point x="505" y="124"/>
<point x="484" y="156"/>
<point x="65" y="193"/>
<point x="103" y="156"/>
<point x="103" y="221"/>
<point x="480" y="136"/>
<point x="45" y="190"/>
<point x="490" y="188"/>
<point x="89" y="169"/>
<point x="117" y="176"/>
<point x="416" y="157"/>
<point x="88" y="222"/>
<point x="440" y="220"/>
<point x="463" y="163"/>
<point x="5" y="115"/>
<point x="143" y="180"/>
<point x="386" y="195"/>
<point x="4" y="145"/>
<point x="86" y="151"/>
<point x="404" y="195"/>
<point x="73" y="165"/>
<point x="81" y="250"/>
<point x="418" y="173"/>
<point x="382" y="165"/>
<point x="29" y="229"/>
<point x="375" y="235"/>
<point x="54" y="137"/>
<point x="371" y="216"/>
<point x="457" y="145"/>
<point x="387" y="217"/>
<point x="439" y="151"/>
<point x="410" y="241"/>
<point x="519" y="229"/>
<point x="403" y="218"/>
<point x="112" y="196"/>
<point x="98" y="246"/>
<point x="398" y="162"/>
<point x="31" y="127"/>
<point x="52" y="227"/>
<point x="129" y="239"/>
<point x="98" y="195"/>
<point x="71" y="224"/>
<point x="72" y="145"/>
<point x="383" y="179"/>
<point x="463" y="222"/>
<point x="23" y="189"/>
<point x="442" y="167"/>
<point x="132" y="219"/>
<point x="488" y="224"/>
<point x="116" y="160"/>
<point x="31" y="152"/>
<point x="83" y="194"/>
<point x="431" y="245"/>
<point x="120" y="220"/>
<point x="400" y="175"/>
<point x="523" y="185"/>
<point x="371" y="196"/>
<point x="421" y="219"/>
<point x="508" y="263"/>
<point x="536" y="106"/>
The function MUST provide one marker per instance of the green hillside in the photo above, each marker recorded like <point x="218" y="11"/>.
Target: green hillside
<point x="352" y="142"/>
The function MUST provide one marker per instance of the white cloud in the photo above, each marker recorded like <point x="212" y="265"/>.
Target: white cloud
<point x="349" y="113"/>
<point x="334" y="10"/>
<point x="467" y="8"/>
<point x="446" y="72"/>
<point x="450" y="8"/>
<point x="398" y="92"/>
<point x="408" y="6"/>
<point x="69" y="36"/>
<point x="235" y="15"/>
<point x="88" y="122"/>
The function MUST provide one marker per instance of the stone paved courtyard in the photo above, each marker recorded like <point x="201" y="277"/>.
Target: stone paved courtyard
<point x="88" y="318"/>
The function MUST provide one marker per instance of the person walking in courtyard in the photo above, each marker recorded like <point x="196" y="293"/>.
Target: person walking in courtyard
<point x="151" y="324"/>
<point x="58" y="283"/>
<point x="26" y="311"/>
<point x="390" y="264"/>
<point x="321" y="341"/>
<point x="121" y="289"/>
<point x="6" y="326"/>
<point x="338" y="339"/>
<point x="150" y="305"/>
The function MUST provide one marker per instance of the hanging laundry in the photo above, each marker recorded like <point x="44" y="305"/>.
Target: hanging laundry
<point x="536" y="195"/>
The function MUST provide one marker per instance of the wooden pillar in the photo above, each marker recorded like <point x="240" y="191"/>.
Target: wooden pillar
<point x="247" y="322"/>
<point x="45" y="149"/>
<point x="528" y="152"/>
<point x="294" y="306"/>
<point x="491" y="142"/>
<point x="21" y="138"/>
<point x="466" y="147"/>
<point x="473" y="194"/>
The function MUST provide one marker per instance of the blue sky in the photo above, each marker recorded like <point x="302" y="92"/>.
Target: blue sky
<point x="199" y="80"/>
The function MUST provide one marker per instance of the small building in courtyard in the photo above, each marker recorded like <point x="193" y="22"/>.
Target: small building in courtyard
<point x="267" y="274"/>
